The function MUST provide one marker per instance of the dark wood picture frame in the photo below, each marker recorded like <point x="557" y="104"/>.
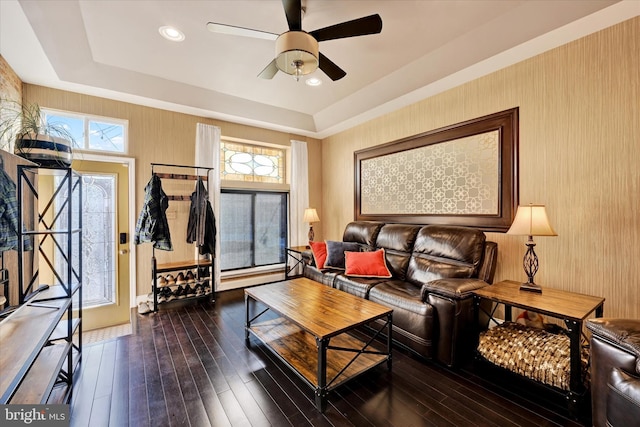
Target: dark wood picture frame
<point x="506" y="123"/>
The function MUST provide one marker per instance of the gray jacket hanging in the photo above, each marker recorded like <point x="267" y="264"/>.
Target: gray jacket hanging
<point x="201" y="227"/>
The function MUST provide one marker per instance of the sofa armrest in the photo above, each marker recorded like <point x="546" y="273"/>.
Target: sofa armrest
<point x="452" y="288"/>
<point x="307" y="257"/>
<point x="623" y="400"/>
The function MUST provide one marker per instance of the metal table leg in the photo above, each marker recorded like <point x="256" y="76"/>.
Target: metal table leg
<point x="247" y="322"/>
<point x="321" y="390"/>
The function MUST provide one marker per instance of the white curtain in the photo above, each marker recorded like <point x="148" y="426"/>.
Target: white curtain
<point x="299" y="193"/>
<point x="208" y="155"/>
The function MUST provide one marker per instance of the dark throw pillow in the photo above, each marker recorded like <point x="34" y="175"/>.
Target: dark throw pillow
<point x="335" y="253"/>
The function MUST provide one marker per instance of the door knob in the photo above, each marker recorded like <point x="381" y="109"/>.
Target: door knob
<point x="123" y="251"/>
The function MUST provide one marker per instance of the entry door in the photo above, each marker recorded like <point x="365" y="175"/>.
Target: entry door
<point x="105" y="260"/>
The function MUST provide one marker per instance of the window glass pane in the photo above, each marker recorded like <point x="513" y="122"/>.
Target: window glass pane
<point x="251" y="163"/>
<point x="271" y="228"/>
<point x="98" y="237"/>
<point x="253" y="229"/>
<point x="73" y="125"/>
<point x="106" y="136"/>
<point x="235" y="231"/>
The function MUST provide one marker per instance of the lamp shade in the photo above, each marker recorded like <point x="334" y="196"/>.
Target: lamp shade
<point x="310" y="215"/>
<point x="297" y="52"/>
<point x="531" y="220"/>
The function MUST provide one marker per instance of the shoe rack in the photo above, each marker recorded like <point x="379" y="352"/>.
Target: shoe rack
<point x="181" y="280"/>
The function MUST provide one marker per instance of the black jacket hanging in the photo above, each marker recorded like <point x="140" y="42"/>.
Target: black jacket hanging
<point x="201" y="227"/>
<point x="152" y="225"/>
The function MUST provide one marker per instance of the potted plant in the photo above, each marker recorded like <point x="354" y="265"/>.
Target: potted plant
<point x="44" y="143"/>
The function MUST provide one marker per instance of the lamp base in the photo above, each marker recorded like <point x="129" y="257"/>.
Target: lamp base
<point x="530" y="287"/>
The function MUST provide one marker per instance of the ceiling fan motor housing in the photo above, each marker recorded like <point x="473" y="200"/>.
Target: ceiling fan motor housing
<point x="296" y="52"/>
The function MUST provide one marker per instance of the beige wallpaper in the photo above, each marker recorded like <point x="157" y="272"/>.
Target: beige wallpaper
<point x="579" y="155"/>
<point x="579" y="143"/>
<point x="161" y="136"/>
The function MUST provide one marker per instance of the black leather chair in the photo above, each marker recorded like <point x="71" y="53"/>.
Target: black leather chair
<point x="615" y="372"/>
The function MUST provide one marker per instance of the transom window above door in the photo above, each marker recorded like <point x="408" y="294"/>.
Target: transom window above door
<point x="92" y="133"/>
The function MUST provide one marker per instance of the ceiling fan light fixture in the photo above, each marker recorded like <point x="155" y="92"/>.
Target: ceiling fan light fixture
<point x="297" y="53"/>
<point x="313" y="81"/>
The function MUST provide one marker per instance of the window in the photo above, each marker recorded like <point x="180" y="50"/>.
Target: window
<point x="252" y="163"/>
<point x="92" y="133"/>
<point x="253" y="228"/>
<point x="98" y="237"/>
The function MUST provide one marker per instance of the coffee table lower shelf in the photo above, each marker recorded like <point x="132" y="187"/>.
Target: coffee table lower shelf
<point x="345" y="356"/>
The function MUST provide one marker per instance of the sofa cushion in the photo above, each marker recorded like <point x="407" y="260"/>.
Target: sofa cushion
<point x="366" y="264"/>
<point x="445" y="252"/>
<point x="358" y="286"/>
<point x="319" y="250"/>
<point x="335" y="253"/>
<point x="399" y="294"/>
<point x="413" y="319"/>
<point x="363" y="232"/>
<point x="397" y="241"/>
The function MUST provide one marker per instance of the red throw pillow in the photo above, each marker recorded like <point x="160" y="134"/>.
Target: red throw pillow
<point x="366" y="264"/>
<point x="319" y="250"/>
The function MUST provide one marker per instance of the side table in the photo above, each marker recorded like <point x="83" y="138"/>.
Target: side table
<point x="293" y="258"/>
<point x="572" y="308"/>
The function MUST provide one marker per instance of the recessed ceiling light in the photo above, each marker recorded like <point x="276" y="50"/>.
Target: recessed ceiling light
<point x="171" y="33"/>
<point x="313" y="81"/>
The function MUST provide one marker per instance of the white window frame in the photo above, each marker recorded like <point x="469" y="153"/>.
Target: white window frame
<point x="87" y="118"/>
<point x="252" y="185"/>
<point x="256" y="272"/>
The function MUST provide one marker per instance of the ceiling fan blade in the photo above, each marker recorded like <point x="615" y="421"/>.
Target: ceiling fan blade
<point x="293" y="10"/>
<point x="239" y="31"/>
<point x="269" y="71"/>
<point x="358" y="27"/>
<point x="330" y="68"/>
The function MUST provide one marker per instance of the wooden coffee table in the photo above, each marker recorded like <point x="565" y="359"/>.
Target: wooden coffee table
<point x="310" y="333"/>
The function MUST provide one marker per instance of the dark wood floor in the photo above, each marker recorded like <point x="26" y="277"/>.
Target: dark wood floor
<point x="190" y="367"/>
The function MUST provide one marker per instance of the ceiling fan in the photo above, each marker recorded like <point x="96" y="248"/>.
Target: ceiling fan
<point x="297" y="51"/>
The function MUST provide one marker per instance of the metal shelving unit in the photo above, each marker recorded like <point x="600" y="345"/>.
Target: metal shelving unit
<point x="42" y="339"/>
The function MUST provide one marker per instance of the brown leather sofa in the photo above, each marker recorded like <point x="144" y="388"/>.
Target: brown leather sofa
<point x="435" y="269"/>
<point x="615" y="372"/>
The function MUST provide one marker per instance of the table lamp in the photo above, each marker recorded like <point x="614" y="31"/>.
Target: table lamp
<point x="310" y="216"/>
<point x="531" y="221"/>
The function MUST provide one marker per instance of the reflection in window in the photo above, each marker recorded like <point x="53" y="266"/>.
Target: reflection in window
<point x="98" y="238"/>
<point x="106" y="136"/>
<point x="91" y="133"/>
<point x="253" y="229"/>
<point x="250" y="163"/>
